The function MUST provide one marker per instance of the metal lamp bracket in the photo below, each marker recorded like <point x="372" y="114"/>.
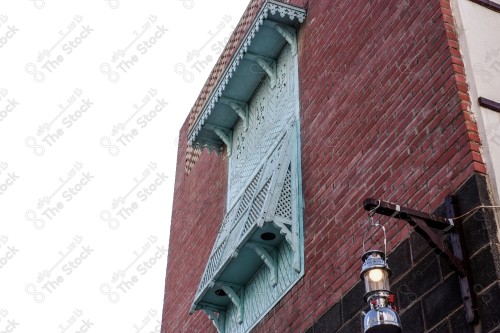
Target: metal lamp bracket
<point x="424" y="223"/>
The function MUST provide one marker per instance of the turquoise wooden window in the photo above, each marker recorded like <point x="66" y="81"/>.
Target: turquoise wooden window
<point x="258" y="254"/>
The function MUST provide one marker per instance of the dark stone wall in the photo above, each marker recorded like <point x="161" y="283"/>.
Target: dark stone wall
<point x="426" y="288"/>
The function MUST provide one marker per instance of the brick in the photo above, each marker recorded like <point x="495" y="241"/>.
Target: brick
<point x="419" y="247"/>
<point x="480" y="167"/>
<point x="421" y="278"/>
<point x="459" y="324"/>
<point x="375" y="81"/>
<point x="443" y="327"/>
<point x="442" y="300"/>
<point x="401" y="257"/>
<point x="484" y="277"/>
<point x="412" y="320"/>
<point x="355" y="325"/>
<point x="353" y="302"/>
<point x="445" y="266"/>
<point x="489" y="308"/>
<point x="331" y="321"/>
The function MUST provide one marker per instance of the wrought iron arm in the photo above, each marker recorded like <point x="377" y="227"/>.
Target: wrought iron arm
<point x="423" y="224"/>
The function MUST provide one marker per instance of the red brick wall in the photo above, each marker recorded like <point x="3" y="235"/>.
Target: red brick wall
<point x="198" y="208"/>
<point x="384" y="114"/>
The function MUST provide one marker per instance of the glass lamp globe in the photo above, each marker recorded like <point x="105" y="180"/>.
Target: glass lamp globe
<point x="375" y="273"/>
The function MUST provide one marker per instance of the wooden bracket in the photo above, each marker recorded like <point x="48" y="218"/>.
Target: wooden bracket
<point x="268" y="259"/>
<point x="224" y="135"/>
<point x="423" y="224"/>
<point x="459" y="249"/>
<point x="288" y="33"/>
<point x="489" y="104"/>
<point x="237" y="300"/>
<point x="282" y="223"/>
<point x="488" y="4"/>
<point x="240" y="108"/>
<point x="217" y="320"/>
<point x="263" y="62"/>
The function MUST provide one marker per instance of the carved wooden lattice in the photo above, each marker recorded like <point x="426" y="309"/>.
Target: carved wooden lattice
<point x="264" y="193"/>
<point x="270" y="112"/>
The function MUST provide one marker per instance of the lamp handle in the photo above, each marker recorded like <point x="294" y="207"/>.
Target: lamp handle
<point x="376" y="224"/>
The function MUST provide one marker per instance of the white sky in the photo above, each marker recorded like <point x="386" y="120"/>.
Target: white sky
<point x="87" y="157"/>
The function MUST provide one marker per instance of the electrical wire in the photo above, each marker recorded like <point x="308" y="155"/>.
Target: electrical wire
<point x="472" y="211"/>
